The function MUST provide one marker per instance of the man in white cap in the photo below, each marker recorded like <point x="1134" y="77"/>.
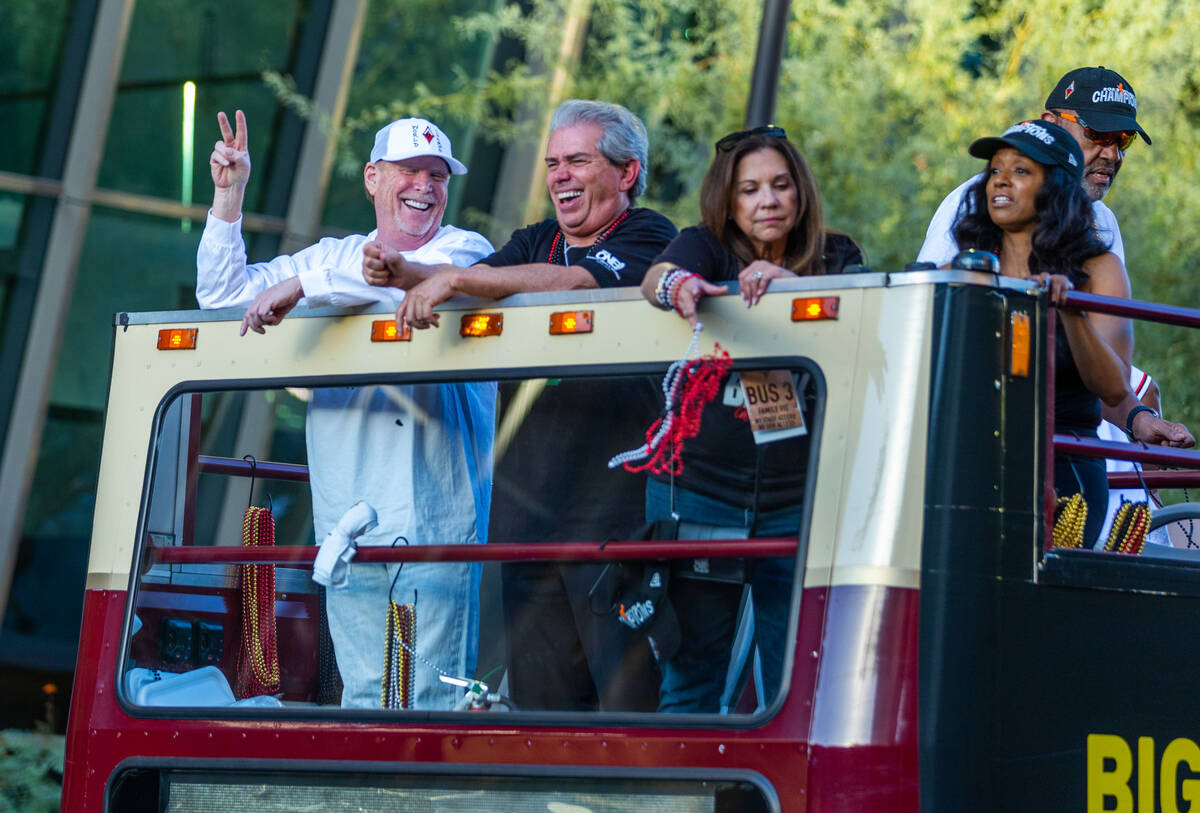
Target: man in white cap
<point x="420" y="455"/>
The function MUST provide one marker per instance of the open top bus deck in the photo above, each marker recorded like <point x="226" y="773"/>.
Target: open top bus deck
<point x="941" y="656"/>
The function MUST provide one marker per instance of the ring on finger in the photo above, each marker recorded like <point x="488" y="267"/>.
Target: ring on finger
<point x="758" y="275"/>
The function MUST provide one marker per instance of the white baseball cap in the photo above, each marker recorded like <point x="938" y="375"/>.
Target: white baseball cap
<point x="409" y="138"/>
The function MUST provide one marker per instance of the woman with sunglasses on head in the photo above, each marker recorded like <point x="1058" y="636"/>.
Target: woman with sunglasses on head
<point x="760" y="220"/>
<point x="1030" y="210"/>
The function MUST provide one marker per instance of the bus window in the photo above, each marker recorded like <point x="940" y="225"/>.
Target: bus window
<point x="451" y="546"/>
<point x="200" y="790"/>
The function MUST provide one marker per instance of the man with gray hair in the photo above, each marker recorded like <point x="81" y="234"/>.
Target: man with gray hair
<point x="596" y="164"/>
<point x="563" y="656"/>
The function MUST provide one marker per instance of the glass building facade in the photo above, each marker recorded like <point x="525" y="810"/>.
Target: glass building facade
<point x="110" y="109"/>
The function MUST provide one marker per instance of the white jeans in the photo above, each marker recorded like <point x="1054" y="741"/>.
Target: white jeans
<point x="447" y="629"/>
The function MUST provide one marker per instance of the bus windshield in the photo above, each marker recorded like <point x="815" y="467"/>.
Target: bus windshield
<point x="445" y="546"/>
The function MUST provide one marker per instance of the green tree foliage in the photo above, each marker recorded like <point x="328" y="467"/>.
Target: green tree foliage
<point x="883" y="98"/>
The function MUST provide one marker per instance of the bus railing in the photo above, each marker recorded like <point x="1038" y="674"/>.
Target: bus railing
<point x="757" y="548"/>
<point x="236" y="467"/>
<point x="1137" y="452"/>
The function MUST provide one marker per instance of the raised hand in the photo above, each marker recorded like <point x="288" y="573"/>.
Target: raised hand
<point x="230" y="166"/>
<point x="230" y="161"/>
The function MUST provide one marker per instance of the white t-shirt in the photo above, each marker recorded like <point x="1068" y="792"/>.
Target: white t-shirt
<point x="939" y="247"/>
<point x="1139" y="382"/>
<point x="420" y="455"/>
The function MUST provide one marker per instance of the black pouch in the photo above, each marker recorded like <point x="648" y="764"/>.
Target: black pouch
<point x="732" y="571"/>
<point x="636" y="592"/>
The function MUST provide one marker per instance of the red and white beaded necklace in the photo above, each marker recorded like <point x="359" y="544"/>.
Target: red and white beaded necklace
<point x="558" y="253"/>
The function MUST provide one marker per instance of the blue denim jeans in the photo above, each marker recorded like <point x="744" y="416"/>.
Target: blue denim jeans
<point x="694" y="679"/>
<point x="447" y="629"/>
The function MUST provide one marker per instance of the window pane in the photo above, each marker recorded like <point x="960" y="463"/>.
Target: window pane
<point x="41" y="626"/>
<point x="157" y="271"/>
<point x="223" y="48"/>
<point x="12" y="207"/>
<point x="31" y="38"/>
<point x="465" y="463"/>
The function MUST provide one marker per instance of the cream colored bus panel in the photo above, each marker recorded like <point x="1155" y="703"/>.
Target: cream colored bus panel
<point x="626" y="331"/>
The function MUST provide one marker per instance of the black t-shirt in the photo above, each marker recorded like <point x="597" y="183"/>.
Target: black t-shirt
<point x="552" y="482"/>
<point x="620" y="259"/>
<point x="697" y="249"/>
<point x="723" y="461"/>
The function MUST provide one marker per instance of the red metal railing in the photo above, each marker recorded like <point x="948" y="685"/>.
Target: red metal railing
<point x="1091" y="447"/>
<point x="235" y="467"/>
<point x="536" y="552"/>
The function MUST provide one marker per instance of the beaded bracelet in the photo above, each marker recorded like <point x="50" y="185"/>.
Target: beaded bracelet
<point x="662" y="291"/>
<point x="676" y="285"/>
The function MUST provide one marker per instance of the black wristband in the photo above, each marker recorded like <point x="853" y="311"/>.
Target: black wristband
<point x="1133" y="413"/>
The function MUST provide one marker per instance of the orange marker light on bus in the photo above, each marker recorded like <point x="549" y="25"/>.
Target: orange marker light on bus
<point x="482" y="324"/>
<point x="814" y="308"/>
<point x="571" y="322"/>
<point x="1018" y="344"/>
<point x="385" y="330"/>
<point x="177" y="338"/>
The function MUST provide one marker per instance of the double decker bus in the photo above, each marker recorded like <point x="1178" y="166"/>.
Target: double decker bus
<point x="941" y="655"/>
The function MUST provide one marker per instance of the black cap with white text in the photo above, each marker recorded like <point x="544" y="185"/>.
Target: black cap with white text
<point x="1102" y="99"/>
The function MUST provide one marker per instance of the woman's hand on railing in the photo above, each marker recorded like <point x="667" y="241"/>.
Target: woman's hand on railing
<point x="755" y="277"/>
<point x="1057" y="284"/>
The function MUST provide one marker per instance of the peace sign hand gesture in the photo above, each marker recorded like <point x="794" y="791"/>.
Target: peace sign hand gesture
<point x="230" y="161"/>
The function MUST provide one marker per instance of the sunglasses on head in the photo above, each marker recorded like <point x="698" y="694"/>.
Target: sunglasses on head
<point x="1123" y="139"/>
<point x="769" y="130"/>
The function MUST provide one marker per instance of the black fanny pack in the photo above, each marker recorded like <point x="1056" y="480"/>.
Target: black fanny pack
<point x="636" y="592"/>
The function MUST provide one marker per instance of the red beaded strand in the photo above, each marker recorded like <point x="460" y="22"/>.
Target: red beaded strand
<point x="701" y="382"/>
<point x="558" y="236"/>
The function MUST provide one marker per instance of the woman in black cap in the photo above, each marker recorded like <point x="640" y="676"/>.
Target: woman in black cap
<point x="1030" y="210"/>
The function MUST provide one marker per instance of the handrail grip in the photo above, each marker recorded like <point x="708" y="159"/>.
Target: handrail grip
<point x="1154" y="479"/>
<point x="236" y="467"/>
<point x="1133" y="309"/>
<point x="762" y="547"/>
<point x="1160" y="455"/>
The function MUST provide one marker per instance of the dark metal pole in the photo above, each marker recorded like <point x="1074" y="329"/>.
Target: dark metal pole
<point x="764" y="85"/>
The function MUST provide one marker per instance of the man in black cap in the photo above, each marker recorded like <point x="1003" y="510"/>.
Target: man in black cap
<point x="1098" y="107"/>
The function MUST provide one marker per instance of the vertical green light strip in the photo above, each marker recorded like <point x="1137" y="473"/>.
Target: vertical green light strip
<point x="189" y="131"/>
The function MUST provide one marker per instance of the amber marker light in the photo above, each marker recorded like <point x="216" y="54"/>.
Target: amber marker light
<point x="384" y="330"/>
<point x="482" y="324"/>
<point x="177" y="338"/>
<point x="571" y="322"/>
<point x="814" y="308"/>
<point x="1018" y="344"/>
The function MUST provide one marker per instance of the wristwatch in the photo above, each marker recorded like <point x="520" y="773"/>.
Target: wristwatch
<point x="1133" y="413"/>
